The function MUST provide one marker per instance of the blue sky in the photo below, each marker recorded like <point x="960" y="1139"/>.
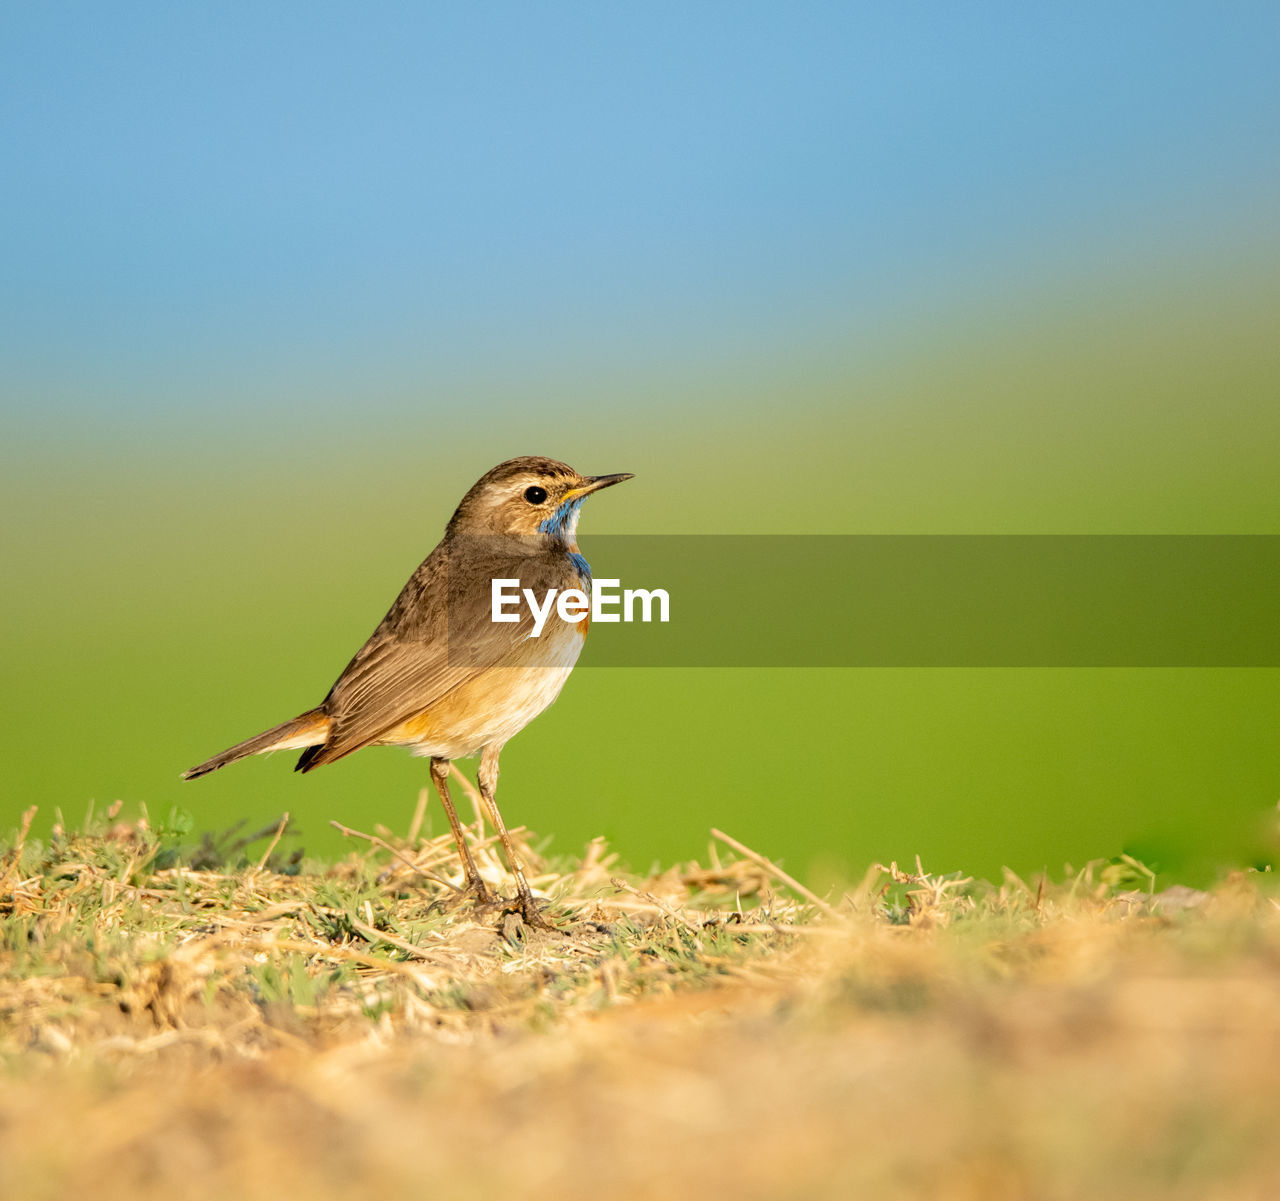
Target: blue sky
<point x="214" y="196"/>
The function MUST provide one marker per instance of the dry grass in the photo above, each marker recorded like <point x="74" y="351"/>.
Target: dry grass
<point x="197" y="1021"/>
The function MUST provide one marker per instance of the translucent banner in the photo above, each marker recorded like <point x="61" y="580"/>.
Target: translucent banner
<point x="891" y="601"/>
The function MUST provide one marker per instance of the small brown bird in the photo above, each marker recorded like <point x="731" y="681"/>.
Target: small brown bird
<point x="441" y="676"/>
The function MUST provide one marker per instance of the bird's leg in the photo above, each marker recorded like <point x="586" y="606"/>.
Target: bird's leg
<point x="439" y="775"/>
<point x="487" y="776"/>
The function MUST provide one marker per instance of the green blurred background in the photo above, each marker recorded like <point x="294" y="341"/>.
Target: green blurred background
<point x="284" y="285"/>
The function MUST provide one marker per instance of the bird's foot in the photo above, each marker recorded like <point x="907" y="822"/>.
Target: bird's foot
<point x="477" y="892"/>
<point x="530" y="913"/>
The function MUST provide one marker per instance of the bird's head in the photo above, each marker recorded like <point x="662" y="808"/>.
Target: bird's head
<point x="528" y="496"/>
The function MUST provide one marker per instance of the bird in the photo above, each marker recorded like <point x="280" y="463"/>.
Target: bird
<point x="439" y="675"/>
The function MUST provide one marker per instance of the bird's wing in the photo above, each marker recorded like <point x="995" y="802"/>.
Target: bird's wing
<point x="402" y="671"/>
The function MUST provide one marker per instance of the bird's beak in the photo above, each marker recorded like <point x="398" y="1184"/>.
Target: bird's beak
<point x="595" y="483"/>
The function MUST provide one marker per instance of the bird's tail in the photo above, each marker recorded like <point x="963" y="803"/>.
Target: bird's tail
<point x="307" y="729"/>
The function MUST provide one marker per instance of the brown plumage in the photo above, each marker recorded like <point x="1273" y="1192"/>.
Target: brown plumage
<point x="438" y="675"/>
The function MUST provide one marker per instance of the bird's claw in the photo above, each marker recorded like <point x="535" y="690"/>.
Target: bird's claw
<point x="477" y="892"/>
<point x="529" y="912"/>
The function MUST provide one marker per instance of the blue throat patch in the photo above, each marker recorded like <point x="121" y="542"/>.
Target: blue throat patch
<point x="559" y="520"/>
<point x="557" y="524"/>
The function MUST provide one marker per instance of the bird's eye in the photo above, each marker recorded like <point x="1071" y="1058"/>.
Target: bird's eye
<point x="535" y="495"/>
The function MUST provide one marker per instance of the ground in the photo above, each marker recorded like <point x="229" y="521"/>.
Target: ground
<point x="182" y="1018"/>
